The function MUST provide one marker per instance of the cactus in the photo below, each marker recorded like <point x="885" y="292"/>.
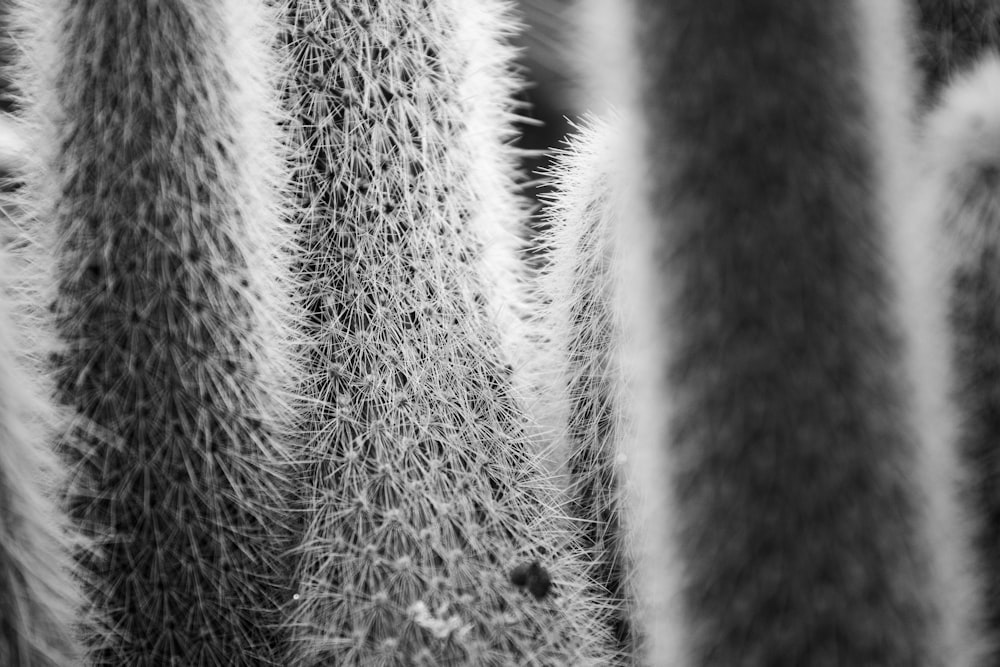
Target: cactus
<point x="786" y="468"/>
<point x="962" y="200"/>
<point x="546" y="51"/>
<point x="158" y="144"/>
<point x="951" y="35"/>
<point x="579" y="377"/>
<point x="426" y="506"/>
<point x="41" y="604"/>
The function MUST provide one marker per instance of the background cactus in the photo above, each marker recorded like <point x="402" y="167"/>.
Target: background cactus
<point x="580" y="381"/>
<point x="423" y="490"/>
<point x="962" y="202"/>
<point x="158" y="155"/>
<point x="780" y="454"/>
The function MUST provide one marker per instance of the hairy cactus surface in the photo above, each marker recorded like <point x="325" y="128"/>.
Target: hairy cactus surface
<point x="790" y="508"/>
<point x="158" y="154"/>
<point x="41" y="605"/>
<point x="580" y="380"/>
<point x="426" y="507"/>
<point x="962" y="158"/>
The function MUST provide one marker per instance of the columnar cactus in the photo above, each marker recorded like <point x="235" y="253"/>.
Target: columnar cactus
<point x="785" y="465"/>
<point x="426" y="506"/>
<point x="41" y="605"/>
<point x="962" y="159"/>
<point x="579" y="378"/>
<point x="158" y="155"/>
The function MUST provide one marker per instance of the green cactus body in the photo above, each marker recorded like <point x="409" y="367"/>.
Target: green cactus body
<point x="962" y="201"/>
<point x="41" y="605"/>
<point x="580" y="377"/>
<point x="424" y="489"/>
<point x="791" y="511"/>
<point x="159" y="145"/>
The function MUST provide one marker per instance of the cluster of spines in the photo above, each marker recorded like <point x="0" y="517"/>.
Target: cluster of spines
<point x="158" y="160"/>
<point x="579" y="378"/>
<point x="424" y="490"/>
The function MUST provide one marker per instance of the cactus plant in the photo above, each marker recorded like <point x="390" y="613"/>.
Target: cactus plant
<point x="41" y="604"/>
<point x="962" y="202"/>
<point x="785" y="465"/>
<point x="424" y="492"/>
<point x="159" y="153"/>
<point x="579" y="378"/>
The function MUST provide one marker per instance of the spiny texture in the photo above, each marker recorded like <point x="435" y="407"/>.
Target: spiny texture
<point x="158" y="148"/>
<point x="423" y="490"/>
<point x="962" y="149"/>
<point x="951" y="36"/>
<point x="778" y="452"/>
<point x="41" y="605"/>
<point x="580" y="377"/>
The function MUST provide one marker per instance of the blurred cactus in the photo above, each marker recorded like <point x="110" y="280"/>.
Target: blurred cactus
<point x="423" y="490"/>
<point x="950" y="36"/>
<point x="580" y="381"/>
<point x="787" y="509"/>
<point x="962" y="199"/>
<point x="158" y="168"/>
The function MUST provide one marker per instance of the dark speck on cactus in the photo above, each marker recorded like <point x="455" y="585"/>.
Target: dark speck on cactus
<point x="532" y="576"/>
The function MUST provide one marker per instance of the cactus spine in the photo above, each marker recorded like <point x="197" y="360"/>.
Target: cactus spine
<point x="780" y="455"/>
<point x="159" y="150"/>
<point x="423" y="490"/>
<point x="580" y="376"/>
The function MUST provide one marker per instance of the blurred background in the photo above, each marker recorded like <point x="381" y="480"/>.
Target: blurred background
<point x="551" y="96"/>
<point x="551" y="89"/>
